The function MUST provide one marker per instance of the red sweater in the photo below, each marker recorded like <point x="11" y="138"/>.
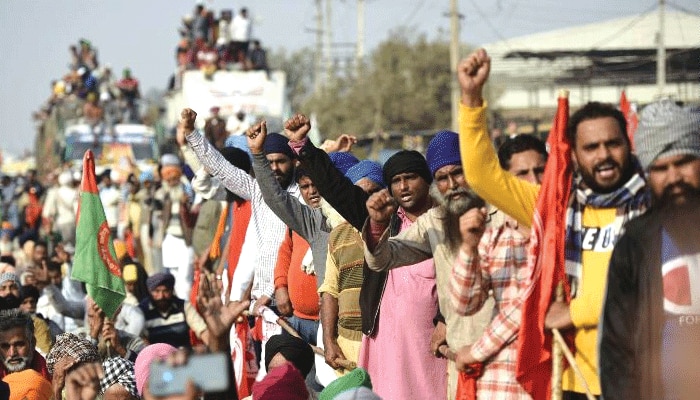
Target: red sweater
<point x="288" y="273"/>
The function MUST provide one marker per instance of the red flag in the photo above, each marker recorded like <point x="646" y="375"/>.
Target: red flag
<point x="546" y="259"/>
<point x="630" y="116"/>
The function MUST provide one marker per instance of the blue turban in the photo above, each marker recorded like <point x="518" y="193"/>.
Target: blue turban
<point x="276" y="143"/>
<point x="366" y="169"/>
<point x="342" y="160"/>
<point x="146" y="176"/>
<point x="239" y="142"/>
<point x="443" y="150"/>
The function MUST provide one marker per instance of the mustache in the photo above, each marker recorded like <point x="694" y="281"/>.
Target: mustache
<point x="685" y="187"/>
<point x="606" y="163"/>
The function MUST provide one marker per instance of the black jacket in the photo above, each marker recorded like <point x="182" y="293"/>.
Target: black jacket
<point x="350" y="201"/>
<point x="633" y="312"/>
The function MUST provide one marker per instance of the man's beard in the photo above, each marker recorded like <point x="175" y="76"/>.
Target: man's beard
<point x="9" y="302"/>
<point x="668" y="198"/>
<point x="16" y="364"/>
<point x="455" y="208"/>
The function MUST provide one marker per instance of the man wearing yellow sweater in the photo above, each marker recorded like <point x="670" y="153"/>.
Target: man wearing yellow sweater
<point x="608" y="190"/>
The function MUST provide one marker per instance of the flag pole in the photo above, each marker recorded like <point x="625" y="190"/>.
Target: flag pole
<point x="561" y="343"/>
<point x="557" y="352"/>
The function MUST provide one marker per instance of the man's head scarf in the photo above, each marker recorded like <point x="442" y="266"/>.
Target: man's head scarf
<point x="142" y="366"/>
<point x="295" y="350"/>
<point x="161" y="278"/>
<point x="342" y="160"/>
<point x="276" y="143"/>
<point x="282" y="383"/>
<point x="71" y="345"/>
<point x="29" y="385"/>
<point x="443" y="150"/>
<point x="666" y="129"/>
<point x="118" y="371"/>
<point x="366" y="169"/>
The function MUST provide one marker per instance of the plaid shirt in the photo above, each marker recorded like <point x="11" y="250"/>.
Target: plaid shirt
<point x="501" y="269"/>
<point x="270" y="229"/>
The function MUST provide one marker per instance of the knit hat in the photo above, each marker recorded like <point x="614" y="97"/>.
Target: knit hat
<point x="129" y="273"/>
<point x="355" y="378"/>
<point x="160" y="278"/>
<point x="276" y="143"/>
<point x="665" y="130"/>
<point x="443" y="150"/>
<point x="282" y="383"/>
<point x="294" y="349"/>
<point x="8" y="276"/>
<point x="118" y="371"/>
<point x="366" y="169"/>
<point x="71" y="345"/>
<point x="359" y="393"/>
<point x="406" y="161"/>
<point x="28" y="384"/>
<point x="237" y="157"/>
<point x="142" y="366"/>
<point x="342" y="160"/>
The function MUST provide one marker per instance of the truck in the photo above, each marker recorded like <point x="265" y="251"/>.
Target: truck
<point x="255" y="93"/>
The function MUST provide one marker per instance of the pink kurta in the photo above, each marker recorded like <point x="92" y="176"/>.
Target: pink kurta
<point x="398" y="357"/>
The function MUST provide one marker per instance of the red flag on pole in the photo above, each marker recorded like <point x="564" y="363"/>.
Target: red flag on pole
<point x="630" y="115"/>
<point x="546" y="259"/>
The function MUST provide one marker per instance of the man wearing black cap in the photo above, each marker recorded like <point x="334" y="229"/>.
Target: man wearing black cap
<point x="168" y="318"/>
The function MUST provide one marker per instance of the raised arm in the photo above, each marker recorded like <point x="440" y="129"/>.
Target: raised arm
<point x="234" y="179"/>
<point x="299" y="217"/>
<point x="348" y="199"/>
<point x="484" y="174"/>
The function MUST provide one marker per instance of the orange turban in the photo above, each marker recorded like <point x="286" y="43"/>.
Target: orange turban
<point x="28" y="384"/>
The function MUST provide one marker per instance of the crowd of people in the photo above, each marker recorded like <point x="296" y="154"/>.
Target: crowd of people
<point x="324" y="276"/>
<point x="91" y="93"/>
<point x="209" y="44"/>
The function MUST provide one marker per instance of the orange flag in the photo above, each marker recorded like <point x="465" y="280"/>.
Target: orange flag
<point x="546" y="259"/>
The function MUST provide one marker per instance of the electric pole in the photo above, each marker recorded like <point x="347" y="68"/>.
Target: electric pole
<point x="360" y="47"/>
<point x="454" y="60"/>
<point x="318" y="57"/>
<point x="328" y="31"/>
<point x="661" y="52"/>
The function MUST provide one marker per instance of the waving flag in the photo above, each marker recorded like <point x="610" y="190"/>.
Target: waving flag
<point x="95" y="261"/>
<point x="546" y="260"/>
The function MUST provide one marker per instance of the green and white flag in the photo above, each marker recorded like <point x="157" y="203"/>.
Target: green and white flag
<point x="95" y="261"/>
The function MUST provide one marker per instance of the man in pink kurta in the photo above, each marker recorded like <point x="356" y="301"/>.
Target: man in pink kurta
<point x="398" y="354"/>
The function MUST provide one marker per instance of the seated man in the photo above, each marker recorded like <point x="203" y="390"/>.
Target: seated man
<point x="169" y="318"/>
<point x="17" y="344"/>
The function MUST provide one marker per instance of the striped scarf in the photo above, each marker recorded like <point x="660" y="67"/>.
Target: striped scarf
<point x="630" y="200"/>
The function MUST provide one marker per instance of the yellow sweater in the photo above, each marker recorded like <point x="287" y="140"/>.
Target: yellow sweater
<point x="518" y="198"/>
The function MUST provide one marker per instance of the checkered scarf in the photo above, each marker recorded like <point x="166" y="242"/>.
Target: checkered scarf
<point x="630" y="200"/>
<point x="119" y="371"/>
<point x="68" y="344"/>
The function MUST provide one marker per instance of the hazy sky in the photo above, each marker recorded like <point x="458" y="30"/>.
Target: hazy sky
<point x="142" y="34"/>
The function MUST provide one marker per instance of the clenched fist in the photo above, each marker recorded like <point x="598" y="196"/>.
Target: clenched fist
<point x="472" y="74"/>
<point x="297" y="127"/>
<point x="380" y="207"/>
